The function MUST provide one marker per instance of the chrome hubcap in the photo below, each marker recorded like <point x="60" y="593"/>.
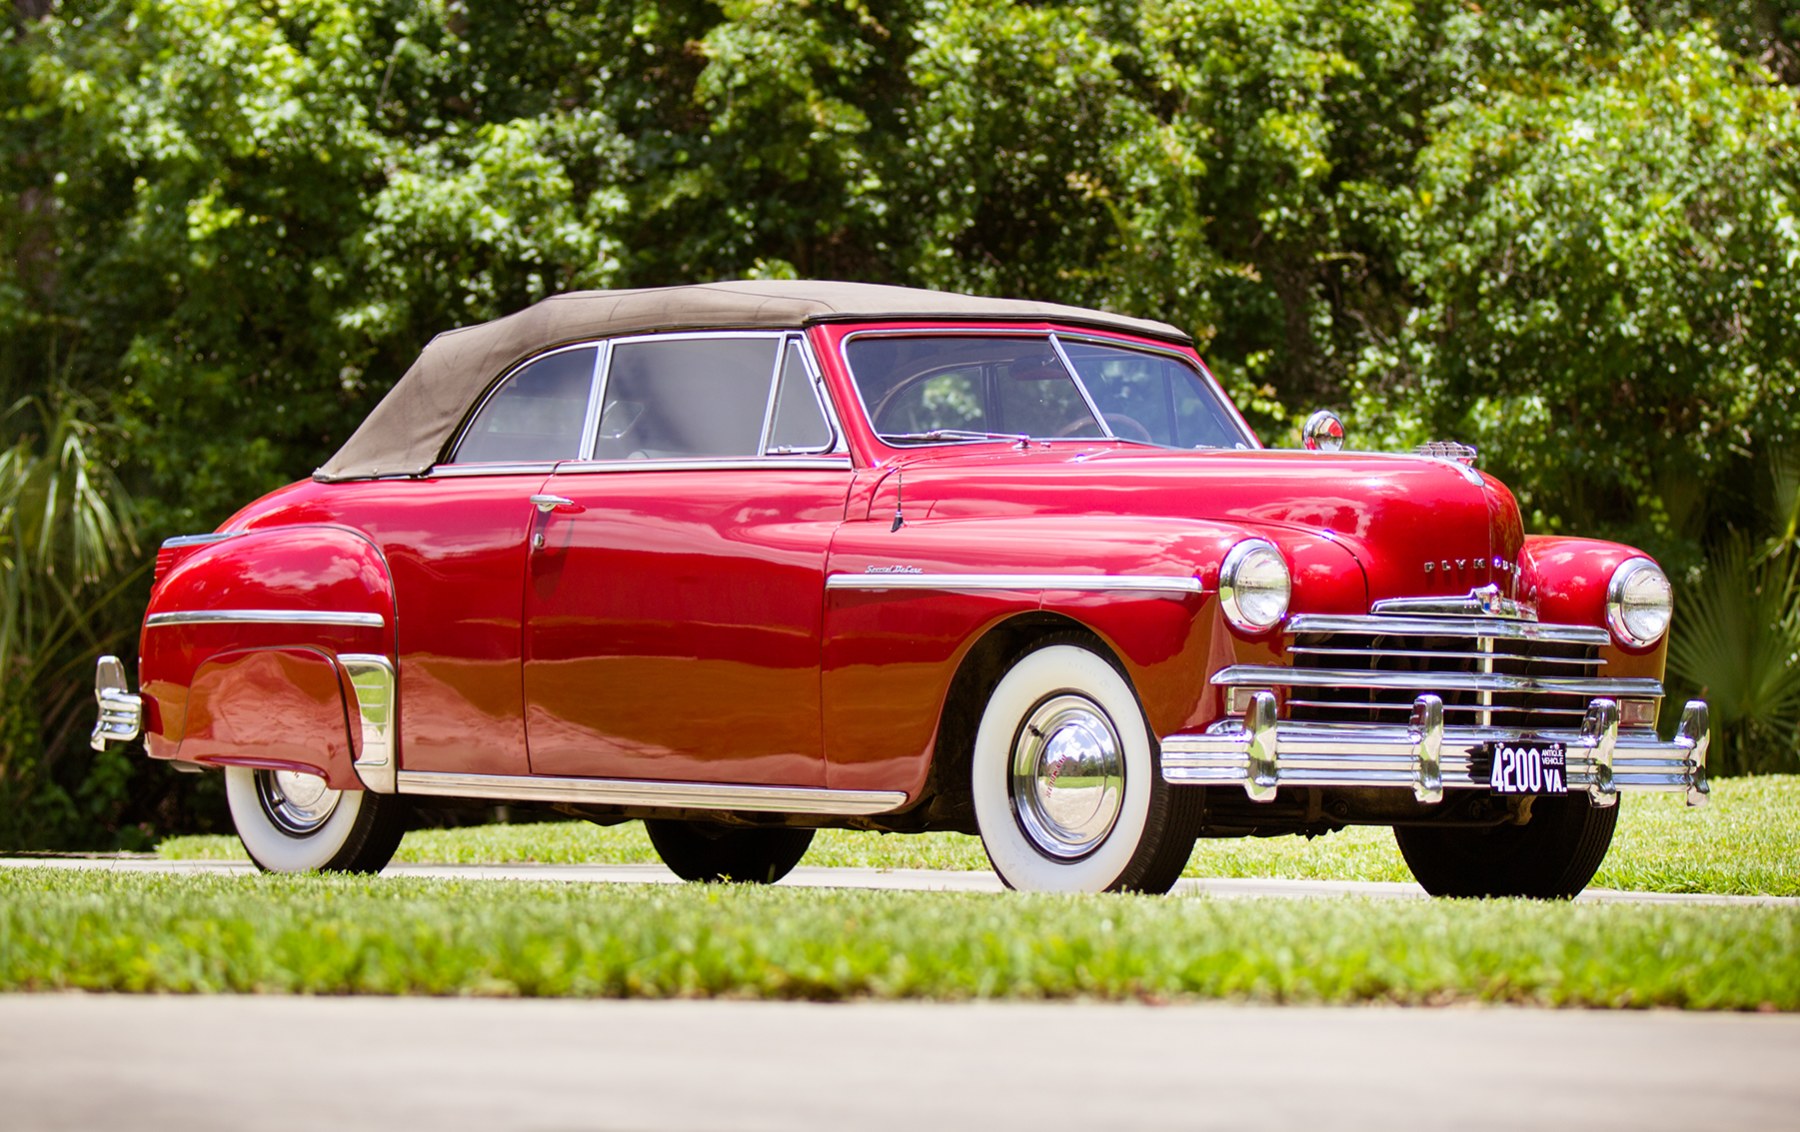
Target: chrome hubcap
<point x="298" y="803"/>
<point x="1068" y="776"/>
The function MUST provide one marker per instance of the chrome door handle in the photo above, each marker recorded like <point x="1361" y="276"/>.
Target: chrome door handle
<point x="548" y="503"/>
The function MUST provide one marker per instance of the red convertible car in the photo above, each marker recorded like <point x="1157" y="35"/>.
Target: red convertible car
<point x="744" y="560"/>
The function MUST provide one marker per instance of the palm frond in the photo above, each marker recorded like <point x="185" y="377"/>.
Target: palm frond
<point x="1737" y="639"/>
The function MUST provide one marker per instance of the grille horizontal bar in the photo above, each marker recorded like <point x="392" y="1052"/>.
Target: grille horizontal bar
<point x="1264" y="675"/>
<point x="1470" y="627"/>
<point x="1425" y="654"/>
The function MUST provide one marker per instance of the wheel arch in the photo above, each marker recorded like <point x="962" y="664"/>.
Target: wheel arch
<point x="946" y="791"/>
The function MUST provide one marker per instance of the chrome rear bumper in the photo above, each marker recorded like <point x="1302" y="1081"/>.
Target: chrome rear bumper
<point x="121" y="711"/>
<point x="1261" y="753"/>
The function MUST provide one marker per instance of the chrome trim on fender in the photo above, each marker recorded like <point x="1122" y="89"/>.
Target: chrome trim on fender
<point x="1081" y="583"/>
<point x="121" y="711"/>
<point x="266" y="617"/>
<point x="1416" y="626"/>
<point x="661" y="795"/>
<point x="372" y="680"/>
<point x="1602" y="759"/>
<point x="180" y="541"/>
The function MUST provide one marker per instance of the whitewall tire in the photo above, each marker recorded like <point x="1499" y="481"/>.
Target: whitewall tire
<point x="1066" y="783"/>
<point x="294" y="823"/>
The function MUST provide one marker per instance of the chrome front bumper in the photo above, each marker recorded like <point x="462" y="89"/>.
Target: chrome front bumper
<point x="121" y="711"/>
<point x="1261" y="753"/>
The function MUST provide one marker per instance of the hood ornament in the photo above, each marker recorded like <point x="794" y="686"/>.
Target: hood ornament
<point x="1451" y="450"/>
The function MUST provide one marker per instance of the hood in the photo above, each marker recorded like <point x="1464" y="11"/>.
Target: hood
<point x="1417" y="526"/>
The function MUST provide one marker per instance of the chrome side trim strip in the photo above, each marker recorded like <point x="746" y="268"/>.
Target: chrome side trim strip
<point x="706" y="464"/>
<point x="372" y="680"/>
<point x="1266" y="674"/>
<point x="662" y="795"/>
<point x="121" y="711"/>
<point x="198" y="540"/>
<point x="266" y="617"/>
<point x="457" y="471"/>
<point x="1387" y="626"/>
<point x="1082" y="583"/>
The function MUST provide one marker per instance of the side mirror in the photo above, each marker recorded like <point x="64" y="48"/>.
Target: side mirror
<point x="1322" y="432"/>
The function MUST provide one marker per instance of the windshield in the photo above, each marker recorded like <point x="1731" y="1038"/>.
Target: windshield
<point x="954" y="388"/>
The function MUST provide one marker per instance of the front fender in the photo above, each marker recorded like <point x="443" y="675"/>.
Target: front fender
<point x="905" y="606"/>
<point x="1567" y="578"/>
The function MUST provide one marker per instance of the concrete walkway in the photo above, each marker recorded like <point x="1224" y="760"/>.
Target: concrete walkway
<point x="266" y="1064"/>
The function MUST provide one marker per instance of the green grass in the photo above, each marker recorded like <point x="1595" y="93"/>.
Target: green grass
<point x="1746" y="842"/>
<point x="101" y="931"/>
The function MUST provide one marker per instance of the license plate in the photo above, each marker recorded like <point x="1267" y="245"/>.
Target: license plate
<point x="1527" y="768"/>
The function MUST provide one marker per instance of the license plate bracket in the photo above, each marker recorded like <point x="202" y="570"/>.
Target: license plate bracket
<point x="1527" y="767"/>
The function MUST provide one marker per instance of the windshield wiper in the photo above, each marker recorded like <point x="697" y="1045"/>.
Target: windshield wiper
<point x="1021" y="439"/>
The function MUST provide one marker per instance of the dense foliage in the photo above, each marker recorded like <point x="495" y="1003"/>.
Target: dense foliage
<point x="1567" y="232"/>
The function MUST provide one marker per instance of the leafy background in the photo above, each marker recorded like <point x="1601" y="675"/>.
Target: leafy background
<point x="1565" y="232"/>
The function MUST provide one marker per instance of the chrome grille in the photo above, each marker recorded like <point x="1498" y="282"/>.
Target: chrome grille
<point x="1375" y="675"/>
<point x="1495" y="675"/>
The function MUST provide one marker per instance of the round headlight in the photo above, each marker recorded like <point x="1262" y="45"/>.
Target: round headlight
<point x="1638" y="603"/>
<point x="1254" y="585"/>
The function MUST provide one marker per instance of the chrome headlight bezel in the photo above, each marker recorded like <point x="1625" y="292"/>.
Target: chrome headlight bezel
<point x="1639" y="603"/>
<point x="1252" y="598"/>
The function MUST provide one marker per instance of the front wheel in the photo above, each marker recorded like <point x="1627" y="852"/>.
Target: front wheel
<point x="1068" y="791"/>
<point x="707" y="852"/>
<point x="294" y="823"/>
<point x="1550" y="857"/>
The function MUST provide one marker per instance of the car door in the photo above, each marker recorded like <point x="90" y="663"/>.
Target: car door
<point x="675" y="582"/>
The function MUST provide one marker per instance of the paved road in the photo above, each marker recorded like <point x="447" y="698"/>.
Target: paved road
<point x="254" y="1064"/>
<point x="922" y="880"/>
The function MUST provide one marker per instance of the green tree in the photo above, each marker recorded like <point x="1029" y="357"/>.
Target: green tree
<point x="1603" y="260"/>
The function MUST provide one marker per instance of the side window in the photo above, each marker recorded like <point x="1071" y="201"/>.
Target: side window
<point x="798" y="423"/>
<point x="536" y="415"/>
<point x="686" y="397"/>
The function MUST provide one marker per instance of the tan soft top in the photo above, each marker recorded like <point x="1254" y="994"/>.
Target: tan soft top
<point x="407" y="432"/>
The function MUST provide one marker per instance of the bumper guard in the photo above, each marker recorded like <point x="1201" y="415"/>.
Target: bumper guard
<point x="121" y="711"/>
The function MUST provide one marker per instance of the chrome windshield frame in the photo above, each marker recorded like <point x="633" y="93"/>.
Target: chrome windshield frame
<point x="1056" y="339"/>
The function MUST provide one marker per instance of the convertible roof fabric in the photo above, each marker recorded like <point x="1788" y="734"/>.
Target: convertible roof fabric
<point x="407" y="432"/>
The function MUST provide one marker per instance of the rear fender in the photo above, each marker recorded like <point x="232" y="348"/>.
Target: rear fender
<point x="275" y="709"/>
<point x="231" y="620"/>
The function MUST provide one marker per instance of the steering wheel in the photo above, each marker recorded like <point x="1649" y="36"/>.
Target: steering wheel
<point x="1119" y="423"/>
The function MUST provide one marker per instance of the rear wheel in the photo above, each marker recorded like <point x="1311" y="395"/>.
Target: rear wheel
<point x="709" y="852"/>
<point x="1551" y="857"/>
<point x="293" y="823"/>
<point x="1068" y="789"/>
